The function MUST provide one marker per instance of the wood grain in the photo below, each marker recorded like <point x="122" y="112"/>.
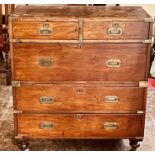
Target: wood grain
<point x="98" y="30"/>
<point x="79" y="98"/>
<point x="79" y="64"/>
<point x="83" y="126"/>
<point x="6" y="13"/>
<point x="121" y="13"/>
<point x="60" y="30"/>
<point x="75" y="72"/>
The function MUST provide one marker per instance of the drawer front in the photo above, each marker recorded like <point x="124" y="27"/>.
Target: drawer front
<point x="46" y="30"/>
<point x="80" y="126"/>
<point x="79" y="98"/>
<point x="92" y="62"/>
<point x="99" y="30"/>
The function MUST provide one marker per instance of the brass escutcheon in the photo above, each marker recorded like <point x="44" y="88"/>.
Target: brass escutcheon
<point x="80" y="90"/>
<point x="78" y="116"/>
<point x="45" y="29"/>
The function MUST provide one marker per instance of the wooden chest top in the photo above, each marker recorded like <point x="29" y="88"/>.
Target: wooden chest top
<point x="88" y="12"/>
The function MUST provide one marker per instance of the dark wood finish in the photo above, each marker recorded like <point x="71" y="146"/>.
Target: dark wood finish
<point x="72" y="125"/>
<point x="79" y="64"/>
<point x="23" y="144"/>
<point x="79" y="98"/>
<point x="134" y="143"/>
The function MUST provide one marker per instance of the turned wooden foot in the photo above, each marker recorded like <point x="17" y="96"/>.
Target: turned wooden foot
<point x="134" y="143"/>
<point x="23" y="145"/>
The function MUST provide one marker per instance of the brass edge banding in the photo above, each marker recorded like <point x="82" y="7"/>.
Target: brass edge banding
<point x="140" y="112"/>
<point x="17" y="111"/>
<point x="148" y="41"/>
<point x="16" y="84"/>
<point x="149" y="20"/>
<point x="80" y="32"/>
<point x="19" y="137"/>
<point x="143" y="84"/>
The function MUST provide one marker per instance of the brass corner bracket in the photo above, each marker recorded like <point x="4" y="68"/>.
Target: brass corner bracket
<point x="143" y="84"/>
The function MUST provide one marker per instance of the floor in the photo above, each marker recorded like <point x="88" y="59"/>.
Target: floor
<point x="6" y="131"/>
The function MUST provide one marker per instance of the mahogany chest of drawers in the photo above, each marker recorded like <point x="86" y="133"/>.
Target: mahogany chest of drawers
<point x="79" y="72"/>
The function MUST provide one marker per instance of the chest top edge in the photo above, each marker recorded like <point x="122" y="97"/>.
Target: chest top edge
<point x="74" y="13"/>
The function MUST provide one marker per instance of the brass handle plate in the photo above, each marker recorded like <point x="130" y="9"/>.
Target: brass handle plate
<point x="113" y="63"/>
<point x="45" y="32"/>
<point x="46" y="100"/>
<point x="45" y="29"/>
<point x="115" y="30"/>
<point x="111" y="99"/>
<point x="46" y="125"/>
<point x="110" y="125"/>
<point x="46" y="62"/>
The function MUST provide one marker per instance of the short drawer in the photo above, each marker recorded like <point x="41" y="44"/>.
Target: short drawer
<point x="80" y="126"/>
<point x="68" y="62"/>
<point x="98" y="30"/>
<point x="79" y="98"/>
<point x="46" y="30"/>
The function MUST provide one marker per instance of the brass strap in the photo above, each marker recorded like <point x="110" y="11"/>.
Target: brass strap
<point x="80" y="41"/>
<point x="143" y="84"/>
<point x="80" y="32"/>
<point x="149" y="20"/>
<point x="140" y="112"/>
<point x="16" y="84"/>
<point x="17" y="111"/>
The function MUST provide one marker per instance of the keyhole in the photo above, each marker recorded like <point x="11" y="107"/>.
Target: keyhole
<point x="79" y="90"/>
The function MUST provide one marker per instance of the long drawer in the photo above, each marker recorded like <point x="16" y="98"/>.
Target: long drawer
<point x="55" y="98"/>
<point x="80" y="126"/>
<point x="68" y="62"/>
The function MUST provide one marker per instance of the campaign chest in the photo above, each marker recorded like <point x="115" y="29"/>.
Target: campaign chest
<point x="79" y="72"/>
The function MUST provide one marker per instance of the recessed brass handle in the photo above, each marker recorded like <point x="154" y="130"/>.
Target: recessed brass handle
<point x="46" y="125"/>
<point x="115" y="30"/>
<point x="46" y="62"/>
<point x="46" y="100"/>
<point x="110" y="125"/>
<point x="45" y="29"/>
<point x="111" y="99"/>
<point x="112" y="63"/>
